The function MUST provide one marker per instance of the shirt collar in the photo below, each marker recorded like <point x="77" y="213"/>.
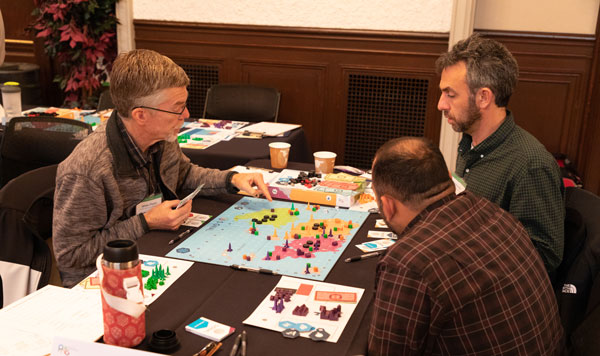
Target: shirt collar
<point x="436" y="204"/>
<point x="139" y="159"/>
<point x="492" y="141"/>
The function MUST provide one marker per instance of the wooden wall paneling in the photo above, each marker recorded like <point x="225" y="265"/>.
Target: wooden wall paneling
<point x="305" y="64"/>
<point x="588" y="162"/>
<point x="303" y="92"/>
<point x="551" y="94"/>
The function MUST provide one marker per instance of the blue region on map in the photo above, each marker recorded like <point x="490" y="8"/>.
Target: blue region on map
<point x="289" y="238"/>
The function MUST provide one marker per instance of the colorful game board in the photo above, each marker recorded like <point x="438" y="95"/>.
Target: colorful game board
<point x="288" y="238"/>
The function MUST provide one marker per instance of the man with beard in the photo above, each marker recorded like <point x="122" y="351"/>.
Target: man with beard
<point x="497" y="159"/>
<point x="125" y="178"/>
<point x="462" y="278"/>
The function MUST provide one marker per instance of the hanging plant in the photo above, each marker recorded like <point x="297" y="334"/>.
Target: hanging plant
<point x="81" y="36"/>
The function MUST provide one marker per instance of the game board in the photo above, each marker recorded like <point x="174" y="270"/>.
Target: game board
<point x="293" y="244"/>
<point x="315" y="310"/>
<point x="158" y="274"/>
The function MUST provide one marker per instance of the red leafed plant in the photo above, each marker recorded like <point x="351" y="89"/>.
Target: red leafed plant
<point x="81" y="36"/>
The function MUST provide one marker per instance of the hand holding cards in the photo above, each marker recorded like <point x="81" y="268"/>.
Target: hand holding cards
<point x="190" y="196"/>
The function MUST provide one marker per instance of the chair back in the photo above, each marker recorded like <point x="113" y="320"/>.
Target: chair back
<point x="34" y="142"/>
<point x="105" y="101"/>
<point x="26" y="205"/>
<point x="242" y="102"/>
<point x="578" y="276"/>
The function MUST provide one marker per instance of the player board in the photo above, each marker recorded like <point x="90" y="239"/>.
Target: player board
<point x="289" y="238"/>
<point x="316" y="310"/>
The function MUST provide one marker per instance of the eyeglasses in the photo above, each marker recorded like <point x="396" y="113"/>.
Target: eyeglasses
<point x="161" y="110"/>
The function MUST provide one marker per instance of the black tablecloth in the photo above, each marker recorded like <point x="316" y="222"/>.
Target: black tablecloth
<point x="229" y="296"/>
<point x="239" y="151"/>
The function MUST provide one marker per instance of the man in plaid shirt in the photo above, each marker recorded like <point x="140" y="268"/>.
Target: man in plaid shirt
<point x="463" y="277"/>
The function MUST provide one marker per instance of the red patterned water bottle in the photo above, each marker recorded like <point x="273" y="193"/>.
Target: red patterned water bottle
<point x="123" y="307"/>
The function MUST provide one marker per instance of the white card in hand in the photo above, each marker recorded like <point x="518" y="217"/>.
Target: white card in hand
<point x="190" y="196"/>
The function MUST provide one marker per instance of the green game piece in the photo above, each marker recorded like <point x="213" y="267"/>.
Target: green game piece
<point x="93" y="124"/>
<point x="162" y="283"/>
<point x="168" y="272"/>
<point x="335" y="229"/>
<point x="296" y="212"/>
<point x="310" y="249"/>
<point x="321" y="224"/>
<point x="270" y="253"/>
<point x="350" y="226"/>
<point x="317" y="236"/>
<point x="308" y="265"/>
<point x="253" y="225"/>
<point x="256" y="233"/>
<point x="324" y="236"/>
<point x="314" y="209"/>
<point x="292" y="206"/>
<point x="145" y="273"/>
<point x="302" y="228"/>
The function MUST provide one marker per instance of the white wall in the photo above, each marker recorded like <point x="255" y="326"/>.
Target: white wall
<point x="562" y="16"/>
<point x="396" y="15"/>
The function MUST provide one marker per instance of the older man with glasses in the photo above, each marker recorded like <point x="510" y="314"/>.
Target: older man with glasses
<point x="126" y="178"/>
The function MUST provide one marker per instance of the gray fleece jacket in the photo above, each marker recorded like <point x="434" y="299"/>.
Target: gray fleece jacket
<point x="98" y="188"/>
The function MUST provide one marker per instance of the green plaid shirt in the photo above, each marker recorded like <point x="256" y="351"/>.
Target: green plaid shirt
<point x="513" y="169"/>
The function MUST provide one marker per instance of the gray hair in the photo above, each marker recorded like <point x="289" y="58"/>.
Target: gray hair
<point x="489" y="65"/>
<point x="140" y="75"/>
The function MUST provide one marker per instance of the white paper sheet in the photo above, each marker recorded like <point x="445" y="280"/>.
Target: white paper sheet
<point x="28" y="326"/>
<point x="265" y="317"/>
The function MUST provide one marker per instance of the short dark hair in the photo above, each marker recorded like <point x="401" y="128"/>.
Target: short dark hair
<point x="410" y="169"/>
<point x="489" y="64"/>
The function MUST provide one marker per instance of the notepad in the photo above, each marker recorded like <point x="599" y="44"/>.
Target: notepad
<point x="209" y="329"/>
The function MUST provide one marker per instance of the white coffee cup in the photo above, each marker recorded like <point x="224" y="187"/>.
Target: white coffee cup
<point x="324" y="161"/>
<point x="280" y="151"/>
<point x="11" y="98"/>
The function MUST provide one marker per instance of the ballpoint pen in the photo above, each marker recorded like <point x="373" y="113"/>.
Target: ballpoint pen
<point x="180" y="236"/>
<point x="236" y="345"/>
<point x="244" y="342"/>
<point x="209" y="349"/>
<point x="252" y="269"/>
<point x="362" y="257"/>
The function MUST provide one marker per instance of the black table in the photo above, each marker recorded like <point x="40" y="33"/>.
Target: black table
<point x="229" y="296"/>
<point x="239" y="151"/>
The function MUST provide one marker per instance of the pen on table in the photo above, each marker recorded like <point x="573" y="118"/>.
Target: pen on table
<point x="362" y="257"/>
<point x="236" y="345"/>
<point x="180" y="236"/>
<point x="244" y="341"/>
<point x="252" y="269"/>
<point x="209" y="349"/>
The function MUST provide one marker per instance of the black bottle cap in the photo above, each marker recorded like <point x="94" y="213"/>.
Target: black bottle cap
<point x="120" y="251"/>
<point x="164" y="341"/>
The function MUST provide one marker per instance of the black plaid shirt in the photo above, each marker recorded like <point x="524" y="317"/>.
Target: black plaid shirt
<point x="513" y="169"/>
<point x="463" y="279"/>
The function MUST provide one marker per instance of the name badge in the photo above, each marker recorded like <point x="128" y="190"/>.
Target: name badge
<point x="148" y="203"/>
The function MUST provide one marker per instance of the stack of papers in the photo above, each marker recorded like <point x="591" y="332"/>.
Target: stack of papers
<point x="269" y="129"/>
<point x="28" y="326"/>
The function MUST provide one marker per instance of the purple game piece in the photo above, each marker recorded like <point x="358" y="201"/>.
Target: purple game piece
<point x="229" y="249"/>
<point x="277" y="257"/>
<point x="334" y="243"/>
<point x="301" y="310"/>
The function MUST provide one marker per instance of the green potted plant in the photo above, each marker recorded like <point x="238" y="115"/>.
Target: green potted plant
<point x="81" y="36"/>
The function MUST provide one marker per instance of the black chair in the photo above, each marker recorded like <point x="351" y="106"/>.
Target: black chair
<point x="241" y="102"/>
<point x="105" y="101"/>
<point x="26" y="205"/>
<point x="34" y="142"/>
<point x="578" y="281"/>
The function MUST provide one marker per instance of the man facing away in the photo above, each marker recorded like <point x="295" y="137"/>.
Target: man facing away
<point x="125" y="178"/>
<point x="462" y="278"/>
<point x="497" y="159"/>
